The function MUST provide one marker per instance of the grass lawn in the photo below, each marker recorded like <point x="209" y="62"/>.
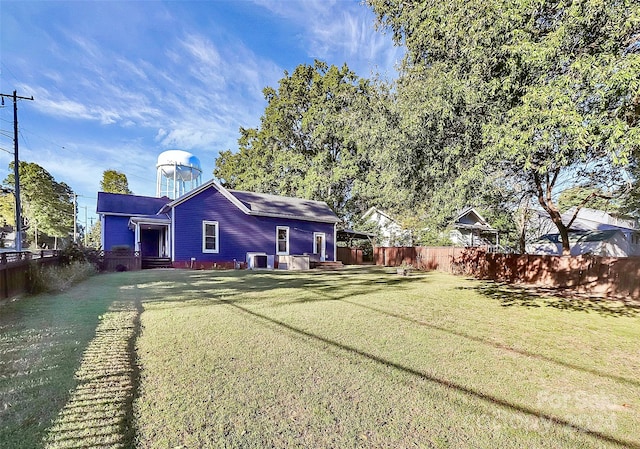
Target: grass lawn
<point x="356" y="358"/>
<point x="46" y="345"/>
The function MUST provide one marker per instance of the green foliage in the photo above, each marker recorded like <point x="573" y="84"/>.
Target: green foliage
<point x="631" y="197"/>
<point x="47" y="204"/>
<point x="585" y="197"/>
<point x="58" y="278"/>
<point x="537" y="93"/>
<point x="306" y="144"/>
<point x="114" y="181"/>
<point x="7" y="209"/>
<point x="94" y="238"/>
<point x="72" y="253"/>
<point x="75" y="264"/>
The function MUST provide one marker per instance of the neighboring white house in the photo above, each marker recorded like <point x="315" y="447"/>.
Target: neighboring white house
<point x="471" y="229"/>
<point x="592" y="232"/>
<point x="391" y="232"/>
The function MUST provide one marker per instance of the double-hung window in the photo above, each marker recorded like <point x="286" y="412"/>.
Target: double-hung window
<point x="210" y="237"/>
<point x="282" y="240"/>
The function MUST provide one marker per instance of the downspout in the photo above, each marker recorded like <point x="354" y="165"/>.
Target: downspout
<point x="172" y="233"/>
<point x="102" y="232"/>
<point x="335" y="241"/>
<point x="137" y="237"/>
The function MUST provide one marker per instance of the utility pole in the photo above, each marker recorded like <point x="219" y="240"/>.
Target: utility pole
<point x="75" y="215"/>
<point x="16" y="167"/>
<point x="86" y="225"/>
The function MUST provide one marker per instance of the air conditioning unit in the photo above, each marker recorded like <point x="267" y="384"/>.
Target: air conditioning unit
<point x="257" y="260"/>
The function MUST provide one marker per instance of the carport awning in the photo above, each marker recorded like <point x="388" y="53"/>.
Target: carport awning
<point x="345" y="235"/>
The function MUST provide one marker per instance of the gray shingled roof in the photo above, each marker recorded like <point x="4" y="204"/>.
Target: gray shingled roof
<point x="283" y="206"/>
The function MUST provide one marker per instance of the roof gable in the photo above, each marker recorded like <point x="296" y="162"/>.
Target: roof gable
<point x="375" y="214"/>
<point x="122" y="204"/>
<point x="470" y="218"/>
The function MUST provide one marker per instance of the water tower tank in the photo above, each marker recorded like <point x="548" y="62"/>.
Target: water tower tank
<point x="178" y="172"/>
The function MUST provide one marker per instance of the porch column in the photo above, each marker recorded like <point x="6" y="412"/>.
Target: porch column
<point x="167" y="241"/>
<point x="136" y="239"/>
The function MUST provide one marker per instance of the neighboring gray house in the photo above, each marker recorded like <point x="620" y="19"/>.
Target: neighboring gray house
<point x="471" y="229"/>
<point x="592" y="232"/>
<point x="391" y="233"/>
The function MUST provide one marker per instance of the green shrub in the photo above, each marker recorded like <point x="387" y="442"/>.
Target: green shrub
<point x="72" y="253"/>
<point x="59" y="277"/>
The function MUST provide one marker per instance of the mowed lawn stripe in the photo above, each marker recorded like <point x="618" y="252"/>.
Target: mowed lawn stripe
<point x="362" y="358"/>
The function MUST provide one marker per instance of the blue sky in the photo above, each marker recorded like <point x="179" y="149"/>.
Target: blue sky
<point x="117" y="83"/>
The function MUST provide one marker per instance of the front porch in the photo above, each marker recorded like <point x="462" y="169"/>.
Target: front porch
<point x="152" y="236"/>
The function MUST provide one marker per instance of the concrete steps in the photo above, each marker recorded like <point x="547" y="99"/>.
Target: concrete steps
<point x="326" y="265"/>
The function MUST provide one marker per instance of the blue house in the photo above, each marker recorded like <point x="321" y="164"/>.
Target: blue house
<point x="213" y="225"/>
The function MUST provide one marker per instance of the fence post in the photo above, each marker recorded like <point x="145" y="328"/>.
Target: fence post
<point x="5" y="280"/>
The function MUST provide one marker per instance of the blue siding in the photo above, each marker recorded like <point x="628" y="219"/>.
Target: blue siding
<point x="239" y="233"/>
<point x="117" y="232"/>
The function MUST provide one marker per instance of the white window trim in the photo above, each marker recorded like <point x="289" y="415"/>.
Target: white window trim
<point x="324" y="241"/>
<point x="204" y="237"/>
<point x="323" y="252"/>
<point x="281" y="253"/>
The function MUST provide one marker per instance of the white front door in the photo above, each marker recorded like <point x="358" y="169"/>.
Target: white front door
<point x="319" y="245"/>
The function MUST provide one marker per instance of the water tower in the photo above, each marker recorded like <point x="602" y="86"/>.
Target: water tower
<point x="178" y="173"/>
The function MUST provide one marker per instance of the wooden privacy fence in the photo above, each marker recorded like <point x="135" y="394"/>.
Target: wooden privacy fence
<point x="607" y="276"/>
<point x="421" y="257"/>
<point x="14" y="270"/>
<point x="352" y="256"/>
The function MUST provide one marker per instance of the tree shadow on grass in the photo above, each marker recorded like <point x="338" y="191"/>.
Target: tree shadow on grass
<point x="100" y="409"/>
<point x="497" y="345"/>
<point x="563" y="299"/>
<point x="202" y="287"/>
<point x="523" y="409"/>
<point x="42" y="339"/>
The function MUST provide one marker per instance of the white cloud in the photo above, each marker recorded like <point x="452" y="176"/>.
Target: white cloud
<point x="124" y="88"/>
<point x="340" y="31"/>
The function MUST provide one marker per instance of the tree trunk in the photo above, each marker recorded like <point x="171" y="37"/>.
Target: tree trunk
<point x="545" y="188"/>
<point x="524" y="217"/>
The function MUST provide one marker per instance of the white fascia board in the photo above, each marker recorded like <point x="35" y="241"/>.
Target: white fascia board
<point x="213" y="183"/>
<point x="370" y="211"/>
<point x="149" y="220"/>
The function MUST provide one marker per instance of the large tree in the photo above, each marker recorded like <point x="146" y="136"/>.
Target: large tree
<point x="47" y="204"/>
<point x="114" y="181"/>
<point x="305" y="145"/>
<point x="541" y="93"/>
